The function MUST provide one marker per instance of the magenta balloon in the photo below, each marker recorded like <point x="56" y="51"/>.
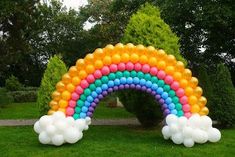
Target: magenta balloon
<point x="137" y="67"/>
<point x="113" y="67"/>
<point x="129" y="66"/>
<point x="121" y="66"/>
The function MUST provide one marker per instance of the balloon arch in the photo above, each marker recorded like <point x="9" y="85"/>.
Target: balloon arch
<point x="122" y="67"/>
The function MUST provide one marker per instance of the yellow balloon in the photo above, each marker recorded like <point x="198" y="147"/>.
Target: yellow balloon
<point x="188" y="91"/>
<point x="62" y="110"/>
<point x="70" y="87"/>
<point x="55" y="95"/>
<point x="73" y="71"/>
<point x="198" y="91"/>
<point x="169" y="70"/>
<point x="125" y="57"/>
<point x="76" y="80"/>
<point x="98" y="64"/>
<point x="183" y="83"/>
<point x="204" y="111"/>
<point x="66" y="78"/>
<point x="80" y="64"/>
<point x="63" y="103"/>
<point x="150" y="49"/>
<point x="90" y="69"/>
<point x="130" y="46"/>
<point x="177" y="76"/>
<point x="161" y="53"/>
<point x="187" y="73"/>
<point x="171" y="59"/>
<point x="152" y="61"/>
<point x="108" y="50"/>
<point x="82" y="74"/>
<point x="89" y="59"/>
<point x="60" y="86"/>
<point x="66" y="95"/>
<point x="119" y="46"/>
<point x="143" y="59"/>
<point x="179" y="66"/>
<point x="50" y="112"/>
<point x="53" y="103"/>
<point x="202" y="101"/>
<point x="134" y="58"/>
<point x="195" y="109"/>
<point x="193" y="100"/>
<point x="161" y="65"/>
<point x="116" y="58"/>
<point x="107" y="60"/>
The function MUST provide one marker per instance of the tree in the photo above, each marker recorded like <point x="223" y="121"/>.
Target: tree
<point x="53" y="73"/>
<point x="146" y="27"/>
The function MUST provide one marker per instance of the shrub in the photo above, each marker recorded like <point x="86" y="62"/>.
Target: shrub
<point x="23" y="96"/>
<point x="5" y="99"/>
<point x="146" y="27"/>
<point x="13" y="84"/>
<point x="55" y="69"/>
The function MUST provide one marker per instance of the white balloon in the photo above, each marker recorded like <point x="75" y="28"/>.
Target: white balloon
<point x="61" y="125"/>
<point x="171" y="119"/>
<point x="177" y="138"/>
<point x="187" y="132"/>
<point x="174" y="128"/>
<point x="214" y="135"/>
<point x="198" y="136"/>
<point x="37" y="128"/>
<point x="188" y="142"/>
<point x="182" y="122"/>
<point x="194" y="121"/>
<point x="166" y="132"/>
<point x="44" y="121"/>
<point x="50" y="130"/>
<point x="88" y="120"/>
<point x="70" y="121"/>
<point x="86" y="127"/>
<point x="80" y="124"/>
<point x="206" y="122"/>
<point x="44" y="138"/>
<point x="72" y="135"/>
<point x="58" y="115"/>
<point x="57" y="139"/>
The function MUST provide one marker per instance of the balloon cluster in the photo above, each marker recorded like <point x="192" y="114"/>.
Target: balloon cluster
<point x="57" y="129"/>
<point x="196" y="129"/>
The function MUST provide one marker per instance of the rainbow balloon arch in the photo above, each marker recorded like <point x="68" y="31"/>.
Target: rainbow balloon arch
<point x="128" y="67"/>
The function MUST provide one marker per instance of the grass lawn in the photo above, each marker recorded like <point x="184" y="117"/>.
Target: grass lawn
<point x="106" y="141"/>
<point x="30" y="110"/>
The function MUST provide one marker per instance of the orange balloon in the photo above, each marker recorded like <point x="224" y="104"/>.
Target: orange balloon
<point x="55" y="107"/>
<point x="198" y="91"/>
<point x="134" y="58"/>
<point x="108" y="50"/>
<point x="195" y="109"/>
<point x="107" y="60"/>
<point x="188" y="91"/>
<point x="63" y="103"/>
<point x="66" y="78"/>
<point x="161" y="65"/>
<point x="76" y="80"/>
<point x="98" y="64"/>
<point x="152" y="61"/>
<point x="177" y="76"/>
<point x="89" y="59"/>
<point x="204" y="111"/>
<point x="98" y="54"/>
<point x="193" y="82"/>
<point x="70" y="87"/>
<point x="60" y="86"/>
<point x="169" y="70"/>
<point x="66" y="95"/>
<point x="80" y="64"/>
<point x="171" y="59"/>
<point x="161" y="53"/>
<point x="90" y="69"/>
<point x="116" y="58"/>
<point x="125" y="57"/>
<point x="55" y="95"/>
<point x="73" y="71"/>
<point x="187" y="73"/>
<point x="183" y="83"/>
<point x="202" y="101"/>
<point x="193" y="100"/>
<point x="179" y="66"/>
<point x="50" y="112"/>
<point x="82" y="74"/>
<point x="62" y="110"/>
<point x="143" y="59"/>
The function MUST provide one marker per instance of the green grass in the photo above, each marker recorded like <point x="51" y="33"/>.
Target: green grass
<point x="106" y="141"/>
<point x="30" y="110"/>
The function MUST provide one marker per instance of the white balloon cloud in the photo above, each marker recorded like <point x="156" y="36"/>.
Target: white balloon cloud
<point x="196" y="129"/>
<point x="57" y="129"/>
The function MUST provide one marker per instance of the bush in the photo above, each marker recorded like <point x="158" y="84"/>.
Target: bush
<point x="146" y="27"/>
<point x="24" y="96"/>
<point x="13" y="84"/>
<point x="53" y="73"/>
<point x="5" y="99"/>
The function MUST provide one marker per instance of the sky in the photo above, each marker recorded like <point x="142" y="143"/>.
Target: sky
<point x="74" y="4"/>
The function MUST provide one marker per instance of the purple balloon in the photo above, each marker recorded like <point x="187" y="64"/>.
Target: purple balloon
<point x="91" y="109"/>
<point x="104" y="93"/>
<point x="93" y="104"/>
<point x="127" y="86"/>
<point x="100" y="96"/>
<point x="138" y="87"/>
<point x="121" y="87"/>
<point x="158" y="96"/>
<point x="164" y="106"/>
<point x="153" y="92"/>
<point x="115" y="88"/>
<point x="149" y="90"/>
<point x="90" y="114"/>
<point x="110" y="90"/>
<point x="96" y="100"/>
<point x="132" y="86"/>
<point x="143" y="88"/>
<point x="161" y="101"/>
<point x="166" y="112"/>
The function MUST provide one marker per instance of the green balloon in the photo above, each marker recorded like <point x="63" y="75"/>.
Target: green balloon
<point x="167" y="88"/>
<point x="112" y="76"/>
<point x="140" y="75"/>
<point x="180" y="113"/>
<point x="154" y="79"/>
<point x="147" y="77"/>
<point x="98" y="83"/>
<point x="105" y="79"/>
<point x="92" y="87"/>
<point x="76" y="116"/>
<point x="171" y="93"/>
<point x="87" y="91"/>
<point x="80" y="103"/>
<point x="175" y="99"/>
<point x="83" y="97"/>
<point x="118" y="74"/>
<point x="160" y="83"/>
<point x="178" y="106"/>
<point x="126" y="74"/>
<point x="78" y="109"/>
<point x="133" y="73"/>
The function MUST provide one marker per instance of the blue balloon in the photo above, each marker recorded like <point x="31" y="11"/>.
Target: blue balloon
<point x="160" y="90"/>
<point x="117" y="82"/>
<point x="171" y="106"/>
<point x="154" y="87"/>
<point x="136" y="80"/>
<point x="110" y="83"/>
<point x="142" y="82"/>
<point x="104" y="87"/>
<point x="149" y="84"/>
<point x="164" y="95"/>
<point x="174" y="111"/>
<point x="168" y="100"/>
<point x="98" y="90"/>
<point x="84" y="109"/>
<point x="123" y="80"/>
<point x="89" y="99"/>
<point x="87" y="103"/>
<point x="129" y="80"/>
<point x="83" y="115"/>
<point x="94" y="94"/>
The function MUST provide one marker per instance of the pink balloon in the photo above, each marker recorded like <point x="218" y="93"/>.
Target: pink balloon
<point x="145" y="68"/>
<point x="180" y="92"/>
<point x="72" y="103"/>
<point x="168" y="79"/>
<point x="97" y="74"/>
<point x="75" y="96"/>
<point x="129" y="66"/>
<point x="90" y="78"/>
<point x="187" y="114"/>
<point x="161" y="74"/>
<point x="137" y="67"/>
<point x="113" y="67"/>
<point x="186" y="108"/>
<point x="175" y="85"/>
<point x="84" y="84"/>
<point x="105" y="70"/>
<point x="69" y="111"/>
<point x="184" y="100"/>
<point x="153" y="71"/>
<point x="121" y="66"/>
<point x="79" y="90"/>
